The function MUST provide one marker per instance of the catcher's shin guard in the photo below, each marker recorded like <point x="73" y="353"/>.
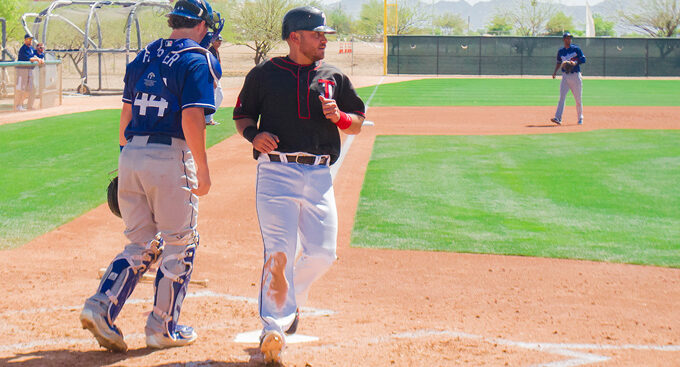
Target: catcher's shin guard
<point x="172" y="279"/>
<point x="118" y="282"/>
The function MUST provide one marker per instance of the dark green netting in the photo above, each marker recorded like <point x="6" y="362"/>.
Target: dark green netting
<point x="530" y="55"/>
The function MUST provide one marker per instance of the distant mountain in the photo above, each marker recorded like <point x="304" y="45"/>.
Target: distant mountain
<point x="481" y="13"/>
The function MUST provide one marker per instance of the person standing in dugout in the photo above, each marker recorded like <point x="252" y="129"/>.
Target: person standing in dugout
<point x="162" y="170"/>
<point x="301" y="103"/>
<point x="24" y="87"/>
<point x="569" y="58"/>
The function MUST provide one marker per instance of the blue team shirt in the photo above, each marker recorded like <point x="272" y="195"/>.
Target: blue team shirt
<point x="572" y="53"/>
<point x="167" y="77"/>
<point x="26" y="53"/>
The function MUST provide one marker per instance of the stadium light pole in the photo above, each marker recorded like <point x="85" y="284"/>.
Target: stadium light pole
<point x="384" y="37"/>
<point x="385" y="28"/>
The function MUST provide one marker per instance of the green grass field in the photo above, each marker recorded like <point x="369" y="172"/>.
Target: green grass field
<point x="55" y="169"/>
<point x="522" y="92"/>
<point x="603" y="195"/>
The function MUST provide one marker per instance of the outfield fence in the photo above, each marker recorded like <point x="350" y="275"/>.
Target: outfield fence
<point x="481" y="55"/>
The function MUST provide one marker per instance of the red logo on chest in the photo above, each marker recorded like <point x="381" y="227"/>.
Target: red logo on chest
<point x="327" y="87"/>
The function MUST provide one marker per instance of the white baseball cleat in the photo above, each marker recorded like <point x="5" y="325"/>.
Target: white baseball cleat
<point x="183" y="335"/>
<point x="556" y="120"/>
<point x="93" y="318"/>
<point x="271" y="346"/>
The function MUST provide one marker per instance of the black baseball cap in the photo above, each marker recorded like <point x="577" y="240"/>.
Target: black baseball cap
<point x="567" y="34"/>
<point x="304" y="18"/>
<point x="27" y="36"/>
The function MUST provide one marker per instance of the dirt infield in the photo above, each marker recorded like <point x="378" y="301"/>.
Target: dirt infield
<point x="375" y="307"/>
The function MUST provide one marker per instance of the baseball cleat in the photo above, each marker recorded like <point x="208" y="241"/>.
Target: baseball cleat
<point x="183" y="335"/>
<point x="93" y="318"/>
<point x="271" y="346"/>
<point x="293" y="327"/>
<point x="580" y="122"/>
<point x="555" y="120"/>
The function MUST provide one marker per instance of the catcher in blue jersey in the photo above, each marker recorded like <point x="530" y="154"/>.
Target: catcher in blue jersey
<point x="162" y="170"/>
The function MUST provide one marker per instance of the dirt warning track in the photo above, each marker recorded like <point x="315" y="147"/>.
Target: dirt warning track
<point x="374" y="307"/>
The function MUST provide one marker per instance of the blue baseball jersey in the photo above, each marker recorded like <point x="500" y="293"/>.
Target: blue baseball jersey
<point x="26" y="53"/>
<point x="573" y="53"/>
<point x="167" y="77"/>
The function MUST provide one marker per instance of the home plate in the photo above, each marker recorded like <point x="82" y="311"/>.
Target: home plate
<point x="368" y="123"/>
<point x="254" y="338"/>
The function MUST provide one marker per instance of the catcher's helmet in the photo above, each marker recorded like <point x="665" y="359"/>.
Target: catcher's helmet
<point x="304" y="18"/>
<point x="200" y="10"/>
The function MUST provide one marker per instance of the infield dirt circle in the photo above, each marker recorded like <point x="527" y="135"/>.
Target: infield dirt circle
<point x="374" y="307"/>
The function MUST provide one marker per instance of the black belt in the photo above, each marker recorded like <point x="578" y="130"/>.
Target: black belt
<point x="302" y="159"/>
<point x="158" y="139"/>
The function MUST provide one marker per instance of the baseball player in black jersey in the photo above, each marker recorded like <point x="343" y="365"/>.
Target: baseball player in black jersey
<point x="301" y="103"/>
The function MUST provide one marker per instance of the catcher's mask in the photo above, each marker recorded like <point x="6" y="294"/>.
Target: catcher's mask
<point x="201" y="10"/>
<point x="304" y="18"/>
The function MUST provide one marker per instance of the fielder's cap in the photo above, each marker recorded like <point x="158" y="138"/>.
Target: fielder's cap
<point x="304" y="18"/>
<point x="567" y="34"/>
<point x="27" y="36"/>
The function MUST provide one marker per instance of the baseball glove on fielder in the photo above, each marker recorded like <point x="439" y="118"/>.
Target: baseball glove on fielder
<point x="567" y="66"/>
<point x="112" y="197"/>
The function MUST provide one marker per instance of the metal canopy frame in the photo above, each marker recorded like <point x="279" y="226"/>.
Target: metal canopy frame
<point x="90" y="45"/>
<point x="4" y="53"/>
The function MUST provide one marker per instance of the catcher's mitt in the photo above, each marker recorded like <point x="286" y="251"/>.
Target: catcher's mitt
<point x="112" y="197"/>
<point x="567" y="66"/>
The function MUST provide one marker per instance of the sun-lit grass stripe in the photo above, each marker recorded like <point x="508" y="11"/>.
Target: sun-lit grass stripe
<point x="603" y="195"/>
<point x="55" y="169"/>
<point x="523" y="92"/>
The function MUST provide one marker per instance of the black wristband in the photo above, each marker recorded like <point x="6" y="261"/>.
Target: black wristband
<point x="250" y="133"/>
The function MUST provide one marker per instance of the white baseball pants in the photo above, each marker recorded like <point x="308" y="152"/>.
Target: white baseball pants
<point x="573" y="82"/>
<point x="219" y="96"/>
<point x="295" y="203"/>
<point x="154" y="191"/>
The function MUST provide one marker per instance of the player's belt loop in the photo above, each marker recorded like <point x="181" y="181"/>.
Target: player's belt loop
<point x="312" y="160"/>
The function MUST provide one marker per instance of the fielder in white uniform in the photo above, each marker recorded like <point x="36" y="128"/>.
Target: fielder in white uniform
<point x="301" y="103"/>
<point x="569" y="58"/>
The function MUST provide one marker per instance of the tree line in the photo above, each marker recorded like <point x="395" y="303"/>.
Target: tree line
<point x="257" y="23"/>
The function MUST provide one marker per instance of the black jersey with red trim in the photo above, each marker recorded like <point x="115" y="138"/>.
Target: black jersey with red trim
<point x="284" y="96"/>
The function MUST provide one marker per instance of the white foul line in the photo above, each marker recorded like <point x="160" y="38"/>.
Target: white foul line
<point x="350" y="138"/>
<point x="204" y="293"/>
<point x="307" y="311"/>
<point x="567" y="350"/>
